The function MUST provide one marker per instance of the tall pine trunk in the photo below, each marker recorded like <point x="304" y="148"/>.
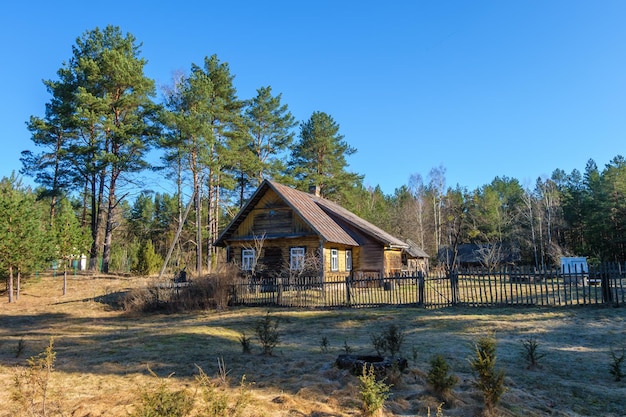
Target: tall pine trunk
<point x="10" y="284"/>
<point x="18" y="287"/>
<point x="108" y="238"/>
<point x="108" y="230"/>
<point x="198" y="206"/>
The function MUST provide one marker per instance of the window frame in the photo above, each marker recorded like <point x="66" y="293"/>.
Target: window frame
<point x="334" y="259"/>
<point x="248" y="259"/>
<point x="296" y="258"/>
<point x="348" y="259"/>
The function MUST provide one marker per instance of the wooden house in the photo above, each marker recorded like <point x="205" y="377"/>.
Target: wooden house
<point x="281" y="229"/>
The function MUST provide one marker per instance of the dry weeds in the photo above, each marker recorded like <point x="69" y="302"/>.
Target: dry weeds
<point x="103" y="354"/>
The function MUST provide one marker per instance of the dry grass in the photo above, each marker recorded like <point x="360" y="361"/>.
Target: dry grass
<point x="103" y="354"/>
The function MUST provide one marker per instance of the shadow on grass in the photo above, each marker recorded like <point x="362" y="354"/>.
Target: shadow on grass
<point x="114" y="343"/>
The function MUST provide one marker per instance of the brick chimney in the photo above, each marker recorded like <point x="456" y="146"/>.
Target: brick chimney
<point x="315" y="190"/>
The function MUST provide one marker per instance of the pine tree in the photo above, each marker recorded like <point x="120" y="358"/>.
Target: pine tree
<point x="98" y="127"/>
<point x="269" y="127"/>
<point x="23" y="243"/>
<point x="319" y="158"/>
<point x="204" y="118"/>
<point x="70" y="240"/>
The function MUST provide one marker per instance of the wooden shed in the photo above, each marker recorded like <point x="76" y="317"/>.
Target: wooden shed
<point x="284" y="229"/>
<point x="414" y="258"/>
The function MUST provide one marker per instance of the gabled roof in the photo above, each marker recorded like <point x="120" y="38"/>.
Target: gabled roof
<point x="321" y="215"/>
<point x="335" y="210"/>
<point x="415" y="251"/>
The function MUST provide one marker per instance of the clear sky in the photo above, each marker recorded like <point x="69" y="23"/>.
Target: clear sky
<point x="482" y="88"/>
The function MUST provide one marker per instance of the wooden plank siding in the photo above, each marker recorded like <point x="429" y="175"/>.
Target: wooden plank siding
<point x="271" y="217"/>
<point x="393" y="261"/>
<point x="278" y="218"/>
<point x="279" y="228"/>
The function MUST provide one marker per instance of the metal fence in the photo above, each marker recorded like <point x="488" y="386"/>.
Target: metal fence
<point x="603" y="285"/>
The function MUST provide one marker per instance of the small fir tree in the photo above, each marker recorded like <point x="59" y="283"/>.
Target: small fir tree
<point x="70" y="240"/>
<point x="148" y="262"/>
<point x="489" y="380"/>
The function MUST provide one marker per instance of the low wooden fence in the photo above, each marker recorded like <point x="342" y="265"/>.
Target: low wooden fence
<point x="470" y="287"/>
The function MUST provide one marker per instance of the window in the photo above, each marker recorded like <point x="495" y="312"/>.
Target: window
<point x="334" y="260"/>
<point x="348" y="260"/>
<point x="296" y="258"/>
<point x="247" y="259"/>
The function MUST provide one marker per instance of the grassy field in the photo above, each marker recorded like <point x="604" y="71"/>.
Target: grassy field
<point x="103" y="355"/>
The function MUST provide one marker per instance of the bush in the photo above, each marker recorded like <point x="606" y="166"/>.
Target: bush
<point x="267" y="332"/>
<point x="489" y="380"/>
<point x="219" y="403"/>
<point x="373" y="392"/>
<point x="246" y="346"/>
<point x="390" y="340"/>
<point x="32" y="392"/>
<point x="324" y="344"/>
<point x="531" y="347"/>
<point x="438" y="377"/>
<point x="203" y="293"/>
<point x="160" y="401"/>
<point x="148" y="262"/>
<point x="616" y="365"/>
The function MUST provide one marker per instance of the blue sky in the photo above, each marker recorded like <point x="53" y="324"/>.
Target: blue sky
<point x="482" y="88"/>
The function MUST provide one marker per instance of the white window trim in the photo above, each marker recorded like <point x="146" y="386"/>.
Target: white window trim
<point x="247" y="259"/>
<point x="348" y="259"/>
<point x="296" y="258"/>
<point x="334" y="259"/>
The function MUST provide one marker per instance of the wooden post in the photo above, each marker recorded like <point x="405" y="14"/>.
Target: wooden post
<point x="607" y="295"/>
<point x="455" y="287"/>
<point x="421" y="285"/>
<point x="279" y="290"/>
<point x="348" y="301"/>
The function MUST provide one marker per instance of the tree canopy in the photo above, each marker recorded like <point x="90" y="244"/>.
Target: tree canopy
<point x="104" y="117"/>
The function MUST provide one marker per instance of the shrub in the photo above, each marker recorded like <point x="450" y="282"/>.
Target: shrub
<point x="32" y="392"/>
<point x="203" y="293"/>
<point x="531" y="347"/>
<point x="438" y="377"/>
<point x="267" y="332"/>
<point x="222" y="285"/>
<point x="160" y="401"/>
<point x="21" y="346"/>
<point x="379" y="344"/>
<point x="148" y="261"/>
<point x="324" y="344"/>
<point x="390" y="340"/>
<point x="373" y="392"/>
<point x="616" y="365"/>
<point x="489" y="380"/>
<point x="246" y="344"/>
<point x="217" y="402"/>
